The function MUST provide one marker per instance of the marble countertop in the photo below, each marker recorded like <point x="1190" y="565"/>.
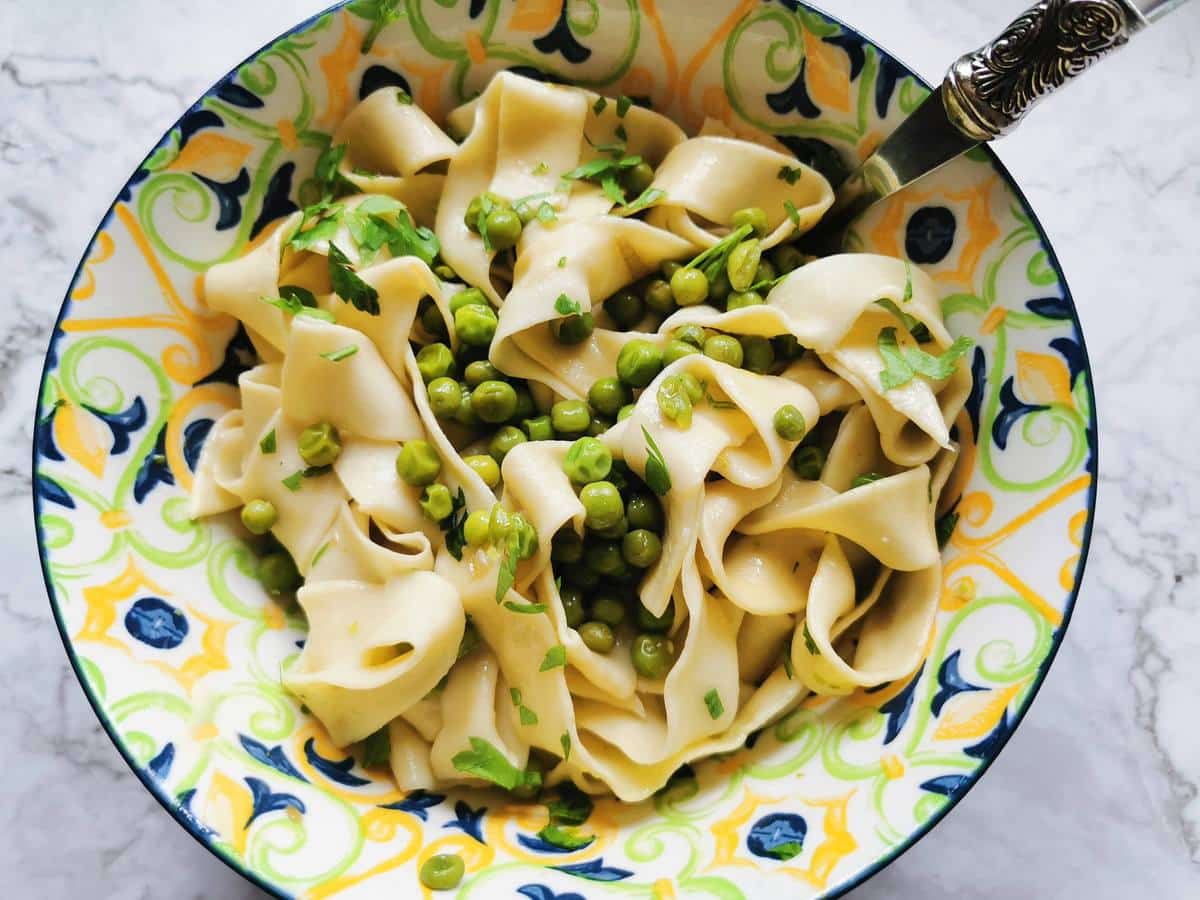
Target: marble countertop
<point x="1097" y="795"/>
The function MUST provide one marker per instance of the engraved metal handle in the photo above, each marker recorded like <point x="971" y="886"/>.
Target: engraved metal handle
<point x="987" y="92"/>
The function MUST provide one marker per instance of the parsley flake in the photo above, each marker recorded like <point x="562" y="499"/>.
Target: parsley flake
<point x="565" y="742"/>
<point x="712" y="700"/>
<point x="527" y="715"/>
<point x="556" y="656"/>
<point x="562" y="262"/>
<point x="809" y="644"/>
<point x="348" y="286"/>
<point x="658" y="476"/>
<point x="529" y="609"/>
<point x="377" y="749"/>
<point x="901" y="364"/>
<point x="456" y="539"/>
<point x="790" y="174"/>
<point x="865" y="479"/>
<point x="646" y="198"/>
<point x="792" y="213"/>
<point x="320" y="552"/>
<point x="540" y="169"/>
<point x="565" y="306"/>
<point x="293" y="481"/>
<point x="623" y="104"/>
<point x="340" y="353"/>
<point x="600" y="105"/>
<point x="508" y="567"/>
<point x="944" y="527"/>
<point x="268" y="443"/>
<point x="484" y="761"/>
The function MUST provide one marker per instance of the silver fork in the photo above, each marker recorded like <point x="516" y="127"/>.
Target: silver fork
<point x="985" y="94"/>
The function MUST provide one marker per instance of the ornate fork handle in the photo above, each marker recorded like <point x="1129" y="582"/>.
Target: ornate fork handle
<point x="989" y="91"/>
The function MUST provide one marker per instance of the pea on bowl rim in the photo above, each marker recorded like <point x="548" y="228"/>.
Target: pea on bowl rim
<point x="187" y="820"/>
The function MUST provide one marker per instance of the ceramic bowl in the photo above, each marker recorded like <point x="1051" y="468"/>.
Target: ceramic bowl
<point x="179" y="650"/>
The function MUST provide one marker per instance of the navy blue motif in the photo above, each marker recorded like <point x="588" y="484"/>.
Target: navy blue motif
<point x="1072" y="352"/>
<point x="541" y="892"/>
<point x="946" y="785"/>
<point x="156" y="623"/>
<point x="277" y="201"/>
<point x="898" y="708"/>
<point x="266" y="800"/>
<point x="154" y="469"/>
<point x="334" y="770"/>
<point x="950" y="683"/>
<point x="160" y="766"/>
<point x="1050" y="307"/>
<point x="184" y="801"/>
<point x="236" y="95"/>
<point x="43" y="435"/>
<point x="52" y="491"/>
<point x="229" y="197"/>
<point x="418" y="803"/>
<point x="594" y="870"/>
<point x="974" y="401"/>
<point x="194" y="435"/>
<point x="990" y="745"/>
<point x="270" y="756"/>
<point x="122" y="424"/>
<point x="929" y="235"/>
<point x="560" y="39"/>
<point x="468" y="820"/>
<point x="794" y="97"/>
<point x="1011" y="411"/>
<point x="537" y="845"/>
<point x="777" y="836"/>
<point x="377" y="77"/>
<point x="817" y="154"/>
<point x="239" y="356"/>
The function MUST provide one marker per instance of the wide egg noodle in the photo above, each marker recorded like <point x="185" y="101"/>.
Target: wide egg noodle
<point x="354" y="672"/>
<point x="709" y="178"/>
<point x="349" y="554"/>
<point x="408" y="757"/>
<point x="585" y="262"/>
<point x="394" y="148"/>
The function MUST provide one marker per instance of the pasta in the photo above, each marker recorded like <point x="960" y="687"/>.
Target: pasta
<point x="578" y="467"/>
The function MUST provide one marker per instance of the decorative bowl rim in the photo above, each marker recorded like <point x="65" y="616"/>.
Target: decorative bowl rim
<point x="184" y="819"/>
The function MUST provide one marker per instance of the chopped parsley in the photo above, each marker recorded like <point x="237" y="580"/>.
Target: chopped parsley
<point x="529" y="609"/>
<point x="647" y="197"/>
<point x="713" y="260"/>
<point x="809" y="644"/>
<point x="623" y="104"/>
<point x="572" y="808"/>
<point x="792" y="213"/>
<point x="556" y="656"/>
<point x="565" y="306"/>
<point x="508" y="567"/>
<point x="915" y="326"/>
<point x="658" y="476"/>
<point x="376" y="749"/>
<point x="790" y="174"/>
<point x="713" y="401"/>
<point x="348" y="286"/>
<point x="900" y="365"/>
<point x="540" y="169"/>
<point x="383" y="222"/>
<point x="562" y="262"/>
<point x="600" y="105"/>
<point x="864" y="479"/>
<point x="340" y="353"/>
<point x="292" y="299"/>
<point x="527" y="715"/>
<point x="268" y="443"/>
<point x="403" y="97"/>
<point x="453" y="525"/>
<point x="484" y="761"/>
<point x="293" y="481"/>
<point x="944" y="527"/>
<point x="564" y="741"/>
<point x="712" y="700"/>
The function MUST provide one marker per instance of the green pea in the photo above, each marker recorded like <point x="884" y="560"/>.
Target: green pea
<point x="754" y="216"/>
<point x="677" y="350"/>
<point x="787" y="347"/>
<point x="639" y="363"/>
<point x="480" y="371"/>
<point x="598" y="426"/>
<point x="442" y="872"/>
<point x="674" y="402"/>
<point x="641" y="548"/>
<point x="465" y="414"/>
<point x="691" y="386"/>
<point x="808" y="462"/>
<point x="743" y="263"/>
<point x="613" y="532"/>
<point x="582" y="577"/>
<point x="278" y="573"/>
<point x="691" y="334"/>
<point x="637" y="178"/>
<point x="625" y="412"/>
<point x="539" y="428"/>
<point x="572" y="604"/>
<point x="319" y="444"/>
<point x="435" y="361"/>
<point x="648" y="621"/>
<point x="566" y="547"/>
<point x="445" y="273"/>
<point x="494" y="401"/>
<point x="597" y="637"/>
<point x="719" y="289"/>
<point x="689" y="287"/>
<point x="485" y="467"/>
<point x="607" y="395"/>
<point x="431" y="319"/>
<point x="527" y="539"/>
<point x="570" y="417"/>
<point x="418" y="463"/>
<point x="789" y="423"/>
<point x="766" y="271"/>
<point x="503" y="228"/>
<point x="475" y="325"/>
<point x="587" y="460"/>
<point x="787" y="258"/>
<point x="436" y="502"/>
<point x="476" y="528"/>
<point x="259" y="515"/>
<point x="724" y="348"/>
<point x="573" y="329"/>
<point x="658" y="297"/>
<point x="475" y="207"/>
<point x="644" y="512"/>
<point x="669" y="268"/>
<point x="609" y="608"/>
<point x="525" y="407"/>
<point x="626" y="309"/>
<point x="602" y="504"/>
<point x="651" y="655"/>
<point x="500" y="524"/>
<point x="470" y="297"/>
<point x="504" y="440"/>
<point x="743" y="299"/>
<point x="757" y="354"/>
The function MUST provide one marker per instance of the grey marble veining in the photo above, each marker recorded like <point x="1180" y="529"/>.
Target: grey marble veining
<point x="1096" y="796"/>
